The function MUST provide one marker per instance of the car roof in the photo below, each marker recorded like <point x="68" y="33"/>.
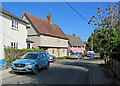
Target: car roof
<point x="35" y="52"/>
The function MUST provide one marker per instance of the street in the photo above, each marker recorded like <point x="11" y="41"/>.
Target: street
<point x="68" y="71"/>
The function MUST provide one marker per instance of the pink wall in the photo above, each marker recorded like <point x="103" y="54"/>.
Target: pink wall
<point x="76" y="49"/>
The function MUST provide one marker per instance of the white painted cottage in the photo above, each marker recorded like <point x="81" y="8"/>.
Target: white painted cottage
<point x="13" y="31"/>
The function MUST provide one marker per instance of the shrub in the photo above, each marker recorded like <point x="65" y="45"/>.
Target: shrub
<point x="13" y="54"/>
<point x="65" y="57"/>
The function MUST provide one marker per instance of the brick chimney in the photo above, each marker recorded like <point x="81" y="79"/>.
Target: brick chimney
<point x="49" y="18"/>
<point x="74" y="35"/>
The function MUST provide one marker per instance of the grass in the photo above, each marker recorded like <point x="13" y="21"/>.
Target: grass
<point x="65" y="57"/>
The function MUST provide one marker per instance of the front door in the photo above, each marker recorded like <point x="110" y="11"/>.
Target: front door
<point x="58" y="52"/>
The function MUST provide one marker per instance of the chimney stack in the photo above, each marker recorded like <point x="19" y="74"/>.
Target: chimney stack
<point x="49" y="18"/>
<point x="74" y="35"/>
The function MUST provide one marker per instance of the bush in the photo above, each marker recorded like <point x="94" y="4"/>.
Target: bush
<point x="97" y="54"/>
<point x="65" y="57"/>
<point x="13" y="54"/>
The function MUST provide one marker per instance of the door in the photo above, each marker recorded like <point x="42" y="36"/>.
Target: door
<point x="58" y="52"/>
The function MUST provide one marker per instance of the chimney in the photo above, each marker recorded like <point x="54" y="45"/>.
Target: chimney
<point x="74" y="35"/>
<point x="49" y="18"/>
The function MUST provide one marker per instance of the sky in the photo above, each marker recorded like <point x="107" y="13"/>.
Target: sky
<point x="67" y="19"/>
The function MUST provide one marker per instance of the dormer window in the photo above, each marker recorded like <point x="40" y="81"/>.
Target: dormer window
<point x="14" y="25"/>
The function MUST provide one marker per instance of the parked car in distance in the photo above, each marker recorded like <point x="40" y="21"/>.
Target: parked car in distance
<point x="82" y="55"/>
<point x="52" y="57"/>
<point x="31" y="62"/>
<point x="91" y="53"/>
<point x="75" y="55"/>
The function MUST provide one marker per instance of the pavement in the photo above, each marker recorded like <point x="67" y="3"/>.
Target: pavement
<point x="99" y="75"/>
<point x="96" y="73"/>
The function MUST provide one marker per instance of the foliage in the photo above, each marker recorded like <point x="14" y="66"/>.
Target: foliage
<point x="85" y="51"/>
<point x="65" y="57"/>
<point x="12" y="54"/>
<point x="97" y="54"/>
<point x="105" y="38"/>
<point x="71" y="51"/>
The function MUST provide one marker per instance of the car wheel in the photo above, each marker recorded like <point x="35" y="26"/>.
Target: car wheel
<point x="48" y="65"/>
<point x="35" y="71"/>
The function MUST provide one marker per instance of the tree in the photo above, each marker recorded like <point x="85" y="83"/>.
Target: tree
<point x="105" y="37"/>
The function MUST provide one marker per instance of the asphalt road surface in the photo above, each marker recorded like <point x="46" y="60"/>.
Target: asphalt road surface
<point x="69" y="71"/>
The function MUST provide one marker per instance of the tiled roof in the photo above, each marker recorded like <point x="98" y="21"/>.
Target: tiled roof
<point x="75" y="41"/>
<point x="44" y="27"/>
<point x="5" y="12"/>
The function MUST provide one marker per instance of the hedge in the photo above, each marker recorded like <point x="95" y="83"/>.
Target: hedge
<point x="13" y="54"/>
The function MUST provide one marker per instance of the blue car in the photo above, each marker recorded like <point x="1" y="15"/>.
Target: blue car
<point x="91" y="53"/>
<point x="31" y="62"/>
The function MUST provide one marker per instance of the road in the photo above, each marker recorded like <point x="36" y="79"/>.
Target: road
<point x="69" y="71"/>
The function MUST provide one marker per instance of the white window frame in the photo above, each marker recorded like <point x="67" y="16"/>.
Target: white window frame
<point x="15" y="25"/>
<point x="14" y="45"/>
<point x="53" y="51"/>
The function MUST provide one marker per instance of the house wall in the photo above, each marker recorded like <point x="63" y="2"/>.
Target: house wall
<point x="76" y="49"/>
<point x="11" y="35"/>
<point x="62" y="52"/>
<point x="49" y="42"/>
<point x="1" y="39"/>
<point x="53" y="41"/>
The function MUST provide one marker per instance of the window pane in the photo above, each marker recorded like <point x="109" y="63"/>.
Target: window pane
<point x="12" y="23"/>
<point x="16" y="45"/>
<point x="12" y="45"/>
<point x="28" y="46"/>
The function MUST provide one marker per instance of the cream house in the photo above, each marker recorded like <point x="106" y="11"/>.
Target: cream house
<point x="13" y="32"/>
<point x="46" y="35"/>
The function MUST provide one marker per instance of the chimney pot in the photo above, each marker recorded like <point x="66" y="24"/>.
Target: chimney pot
<point x="74" y="35"/>
<point x="49" y="18"/>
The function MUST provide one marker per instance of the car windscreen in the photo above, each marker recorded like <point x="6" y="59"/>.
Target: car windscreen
<point x="30" y="56"/>
<point x="75" y="53"/>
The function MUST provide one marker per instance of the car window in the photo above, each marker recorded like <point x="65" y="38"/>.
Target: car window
<point x="31" y="56"/>
<point x="72" y="53"/>
<point x="40" y="56"/>
<point x="44" y="55"/>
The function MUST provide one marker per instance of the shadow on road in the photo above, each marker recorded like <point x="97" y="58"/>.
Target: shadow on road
<point x="59" y="73"/>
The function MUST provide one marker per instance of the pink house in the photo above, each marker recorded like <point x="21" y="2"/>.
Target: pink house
<point x="75" y="43"/>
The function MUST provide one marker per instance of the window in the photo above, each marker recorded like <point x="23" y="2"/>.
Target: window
<point x="44" y="38"/>
<point x="44" y="55"/>
<point x="63" y="50"/>
<point x="14" y="25"/>
<point x="14" y="45"/>
<point x="65" y="41"/>
<point x="58" y="40"/>
<point x="53" y="51"/>
<point x="28" y="46"/>
<point x="40" y="56"/>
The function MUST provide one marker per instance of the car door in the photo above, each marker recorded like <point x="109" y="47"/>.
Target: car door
<point x="44" y="59"/>
<point x="40" y="63"/>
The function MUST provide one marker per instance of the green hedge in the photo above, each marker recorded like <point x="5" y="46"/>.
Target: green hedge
<point x="13" y="54"/>
<point x="97" y="54"/>
<point x="65" y="57"/>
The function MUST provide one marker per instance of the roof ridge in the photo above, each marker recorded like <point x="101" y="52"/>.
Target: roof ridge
<point x="39" y="17"/>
